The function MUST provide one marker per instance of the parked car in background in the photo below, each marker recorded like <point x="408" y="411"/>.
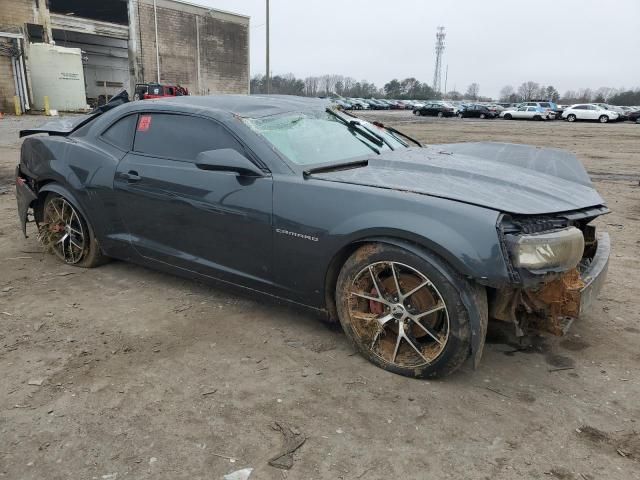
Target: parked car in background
<point x="147" y="91"/>
<point x="588" y="111"/>
<point x="343" y="104"/>
<point x="622" y="113"/>
<point x="548" y="107"/>
<point x="376" y="104"/>
<point x="525" y="113"/>
<point x="634" y="116"/>
<point x="476" y="111"/>
<point x="497" y="109"/>
<point x="435" y="110"/>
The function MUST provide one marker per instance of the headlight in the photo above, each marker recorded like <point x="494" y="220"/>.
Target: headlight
<point x="560" y="250"/>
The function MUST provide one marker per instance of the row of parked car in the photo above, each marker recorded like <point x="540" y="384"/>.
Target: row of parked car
<point x="600" y="112"/>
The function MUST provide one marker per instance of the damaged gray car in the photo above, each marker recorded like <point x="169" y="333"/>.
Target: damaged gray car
<point x="413" y="248"/>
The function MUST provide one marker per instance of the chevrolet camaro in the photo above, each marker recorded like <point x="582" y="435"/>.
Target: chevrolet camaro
<point x="412" y="248"/>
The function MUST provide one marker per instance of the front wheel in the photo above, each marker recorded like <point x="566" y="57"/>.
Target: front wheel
<point x="64" y="232"/>
<point x="571" y="118"/>
<point x="402" y="312"/>
<point x="460" y="115"/>
<point x="603" y="119"/>
<point x="482" y="115"/>
<point x="440" y="114"/>
<point x="507" y="116"/>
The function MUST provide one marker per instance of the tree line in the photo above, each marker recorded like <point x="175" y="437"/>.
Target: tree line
<point x="412" y="88"/>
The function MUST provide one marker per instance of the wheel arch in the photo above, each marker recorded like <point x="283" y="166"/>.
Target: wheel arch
<point x="47" y="186"/>
<point x="473" y="298"/>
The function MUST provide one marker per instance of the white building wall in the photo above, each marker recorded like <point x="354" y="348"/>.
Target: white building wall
<point x="57" y="72"/>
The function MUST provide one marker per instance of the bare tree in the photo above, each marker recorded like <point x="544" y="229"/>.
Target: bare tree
<point x="528" y="90"/>
<point x="585" y="95"/>
<point x="473" y="91"/>
<point x="603" y="94"/>
<point x="311" y="86"/>
<point x="506" y="93"/>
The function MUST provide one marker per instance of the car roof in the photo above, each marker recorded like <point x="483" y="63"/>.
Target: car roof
<point x="251" y="106"/>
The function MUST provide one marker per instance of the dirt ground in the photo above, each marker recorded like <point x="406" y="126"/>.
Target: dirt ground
<point x="121" y="372"/>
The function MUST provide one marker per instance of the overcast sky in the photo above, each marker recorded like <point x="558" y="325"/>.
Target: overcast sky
<point x="569" y="44"/>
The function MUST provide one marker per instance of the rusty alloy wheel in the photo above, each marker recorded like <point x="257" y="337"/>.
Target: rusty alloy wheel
<point x="399" y="313"/>
<point x="63" y="232"/>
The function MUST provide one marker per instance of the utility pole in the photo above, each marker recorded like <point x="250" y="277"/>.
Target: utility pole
<point x="437" y="71"/>
<point x="268" y="66"/>
<point x="446" y="77"/>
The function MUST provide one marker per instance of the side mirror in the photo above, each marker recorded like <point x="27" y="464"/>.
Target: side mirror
<point x="227" y="160"/>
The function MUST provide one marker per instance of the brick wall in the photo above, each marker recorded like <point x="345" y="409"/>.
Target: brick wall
<point x="224" y="49"/>
<point x="13" y="16"/>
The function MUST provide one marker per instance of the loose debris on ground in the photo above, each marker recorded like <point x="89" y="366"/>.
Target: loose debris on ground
<point x="293" y="440"/>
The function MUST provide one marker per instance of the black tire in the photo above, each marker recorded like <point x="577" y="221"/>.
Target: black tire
<point x="483" y="116"/>
<point x="603" y="119"/>
<point x="638" y="120"/>
<point x="440" y="114"/>
<point x="537" y="117"/>
<point x="83" y="253"/>
<point x="571" y="118"/>
<point x="508" y="116"/>
<point x="373" y="340"/>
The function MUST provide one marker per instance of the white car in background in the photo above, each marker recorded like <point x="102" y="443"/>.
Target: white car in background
<point x="589" y="111"/>
<point x="526" y="113"/>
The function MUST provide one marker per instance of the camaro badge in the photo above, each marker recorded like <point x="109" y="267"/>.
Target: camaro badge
<point x="299" y="235"/>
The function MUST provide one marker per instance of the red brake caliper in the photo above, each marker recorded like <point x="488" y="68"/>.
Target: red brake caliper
<point x="376" y="308"/>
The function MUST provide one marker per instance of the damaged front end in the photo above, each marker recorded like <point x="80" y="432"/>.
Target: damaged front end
<point x="558" y="266"/>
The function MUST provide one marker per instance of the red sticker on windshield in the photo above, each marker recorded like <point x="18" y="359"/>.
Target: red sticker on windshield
<point x="144" y="123"/>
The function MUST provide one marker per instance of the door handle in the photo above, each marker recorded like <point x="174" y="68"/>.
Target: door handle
<point x="131" y="176"/>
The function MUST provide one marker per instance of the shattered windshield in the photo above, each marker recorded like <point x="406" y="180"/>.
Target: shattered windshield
<point x="309" y="138"/>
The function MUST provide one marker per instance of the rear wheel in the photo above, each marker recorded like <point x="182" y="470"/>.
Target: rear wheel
<point x="482" y="115"/>
<point x="460" y="115"/>
<point x="401" y="311"/>
<point x="603" y="119"/>
<point x="638" y="120"/>
<point x="440" y="114"/>
<point x="571" y="118"/>
<point x="537" y="117"/>
<point x="66" y="234"/>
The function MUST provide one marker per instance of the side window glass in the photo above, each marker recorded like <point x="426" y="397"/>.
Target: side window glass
<point x="181" y="137"/>
<point x="120" y="134"/>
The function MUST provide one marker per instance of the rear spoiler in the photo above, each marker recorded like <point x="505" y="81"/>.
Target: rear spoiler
<point x="62" y="127"/>
<point x="66" y="126"/>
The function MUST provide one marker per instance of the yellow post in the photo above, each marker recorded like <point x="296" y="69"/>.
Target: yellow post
<point x="47" y="110"/>
<point x="16" y="104"/>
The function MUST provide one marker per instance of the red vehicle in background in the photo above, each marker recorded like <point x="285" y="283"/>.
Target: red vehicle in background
<point x="146" y="91"/>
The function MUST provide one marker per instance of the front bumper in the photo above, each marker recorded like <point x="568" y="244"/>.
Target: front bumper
<point x="595" y="274"/>
<point x="553" y="306"/>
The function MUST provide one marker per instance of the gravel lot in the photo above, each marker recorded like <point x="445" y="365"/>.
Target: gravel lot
<point x="138" y="374"/>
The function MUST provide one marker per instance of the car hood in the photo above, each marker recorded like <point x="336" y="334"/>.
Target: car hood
<point x="510" y="178"/>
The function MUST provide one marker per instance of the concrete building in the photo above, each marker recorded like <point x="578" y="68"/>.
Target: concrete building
<point x="121" y="43"/>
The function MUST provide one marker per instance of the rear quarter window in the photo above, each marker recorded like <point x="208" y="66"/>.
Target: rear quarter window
<point x="120" y="134"/>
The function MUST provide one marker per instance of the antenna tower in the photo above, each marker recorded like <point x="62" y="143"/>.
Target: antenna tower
<point x="437" y="72"/>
